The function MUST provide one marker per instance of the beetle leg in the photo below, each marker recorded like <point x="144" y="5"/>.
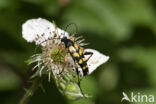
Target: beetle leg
<point x="88" y="53"/>
<point x="78" y="73"/>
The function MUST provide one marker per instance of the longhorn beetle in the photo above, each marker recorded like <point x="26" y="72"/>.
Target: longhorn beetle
<point x="77" y="53"/>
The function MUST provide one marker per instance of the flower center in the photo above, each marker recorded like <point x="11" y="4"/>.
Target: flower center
<point x="58" y="55"/>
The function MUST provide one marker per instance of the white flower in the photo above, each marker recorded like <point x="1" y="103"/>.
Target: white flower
<point x="54" y="58"/>
<point x="96" y="60"/>
<point x="39" y="30"/>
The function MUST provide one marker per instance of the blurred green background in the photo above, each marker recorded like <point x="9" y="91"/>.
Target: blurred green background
<point x="123" y="29"/>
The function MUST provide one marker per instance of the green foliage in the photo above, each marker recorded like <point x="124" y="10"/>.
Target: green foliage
<point x="123" y="29"/>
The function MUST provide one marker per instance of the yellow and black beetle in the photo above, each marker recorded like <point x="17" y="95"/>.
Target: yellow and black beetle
<point x="77" y="53"/>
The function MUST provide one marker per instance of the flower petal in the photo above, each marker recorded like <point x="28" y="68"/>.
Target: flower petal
<point x="38" y="30"/>
<point x="96" y="60"/>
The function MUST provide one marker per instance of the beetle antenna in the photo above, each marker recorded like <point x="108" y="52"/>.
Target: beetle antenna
<point x="76" y="29"/>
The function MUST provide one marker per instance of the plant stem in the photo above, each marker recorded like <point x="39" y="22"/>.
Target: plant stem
<point x="29" y="92"/>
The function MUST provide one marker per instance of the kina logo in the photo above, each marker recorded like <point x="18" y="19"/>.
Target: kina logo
<point x="138" y="97"/>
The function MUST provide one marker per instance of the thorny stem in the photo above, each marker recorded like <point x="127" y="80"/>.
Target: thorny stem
<point x="29" y="92"/>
